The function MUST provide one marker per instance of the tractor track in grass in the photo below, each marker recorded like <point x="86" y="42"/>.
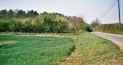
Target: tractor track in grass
<point x="50" y="35"/>
<point x="7" y="42"/>
<point x="75" y="57"/>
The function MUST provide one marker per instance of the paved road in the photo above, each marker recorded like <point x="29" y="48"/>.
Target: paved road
<point x="115" y="38"/>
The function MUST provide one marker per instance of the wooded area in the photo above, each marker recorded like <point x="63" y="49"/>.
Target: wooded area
<point x="32" y="21"/>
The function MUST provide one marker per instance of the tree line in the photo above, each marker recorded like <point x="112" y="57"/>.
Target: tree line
<point x="31" y="21"/>
<point x="17" y="13"/>
<point x="108" y="28"/>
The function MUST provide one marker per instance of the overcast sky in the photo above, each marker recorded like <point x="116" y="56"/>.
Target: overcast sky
<point x="88" y="9"/>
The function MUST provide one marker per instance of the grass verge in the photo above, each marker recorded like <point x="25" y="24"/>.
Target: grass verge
<point x="97" y="51"/>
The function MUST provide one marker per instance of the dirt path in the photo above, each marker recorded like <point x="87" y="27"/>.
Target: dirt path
<point x="75" y="57"/>
<point x="115" y="38"/>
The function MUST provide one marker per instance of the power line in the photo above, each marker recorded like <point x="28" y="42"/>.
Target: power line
<point x="116" y="4"/>
<point x="108" y="10"/>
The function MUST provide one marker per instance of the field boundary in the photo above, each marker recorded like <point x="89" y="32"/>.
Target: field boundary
<point x="75" y="57"/>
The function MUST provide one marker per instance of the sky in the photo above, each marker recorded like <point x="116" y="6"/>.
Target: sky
<point x="88" y="9"/>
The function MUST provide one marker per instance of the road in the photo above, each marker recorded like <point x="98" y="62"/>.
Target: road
<point x="115" y="38"/>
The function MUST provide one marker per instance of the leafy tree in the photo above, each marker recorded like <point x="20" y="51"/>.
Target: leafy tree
<point x="11" y="13"/>
<point x="32" y="13"/>
<point x="3" y="13"/>
<point x="20" y="13"/>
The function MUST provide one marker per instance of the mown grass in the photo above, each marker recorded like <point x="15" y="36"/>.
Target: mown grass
<point x="97" y="51"/>
<point x="32" y="50"/>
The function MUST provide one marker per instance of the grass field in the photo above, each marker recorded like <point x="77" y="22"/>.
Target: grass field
<point x="32" y="50"/>
<point x="36" y="50"/>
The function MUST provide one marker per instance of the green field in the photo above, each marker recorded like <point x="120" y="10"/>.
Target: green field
<point x="36" y="50"/>
<point x="32" y="50"/>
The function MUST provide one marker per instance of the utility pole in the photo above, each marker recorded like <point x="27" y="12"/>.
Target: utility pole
<point x="119" y="16"/>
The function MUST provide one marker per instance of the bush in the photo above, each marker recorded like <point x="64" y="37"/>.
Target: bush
<point x="7" y="25"/>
